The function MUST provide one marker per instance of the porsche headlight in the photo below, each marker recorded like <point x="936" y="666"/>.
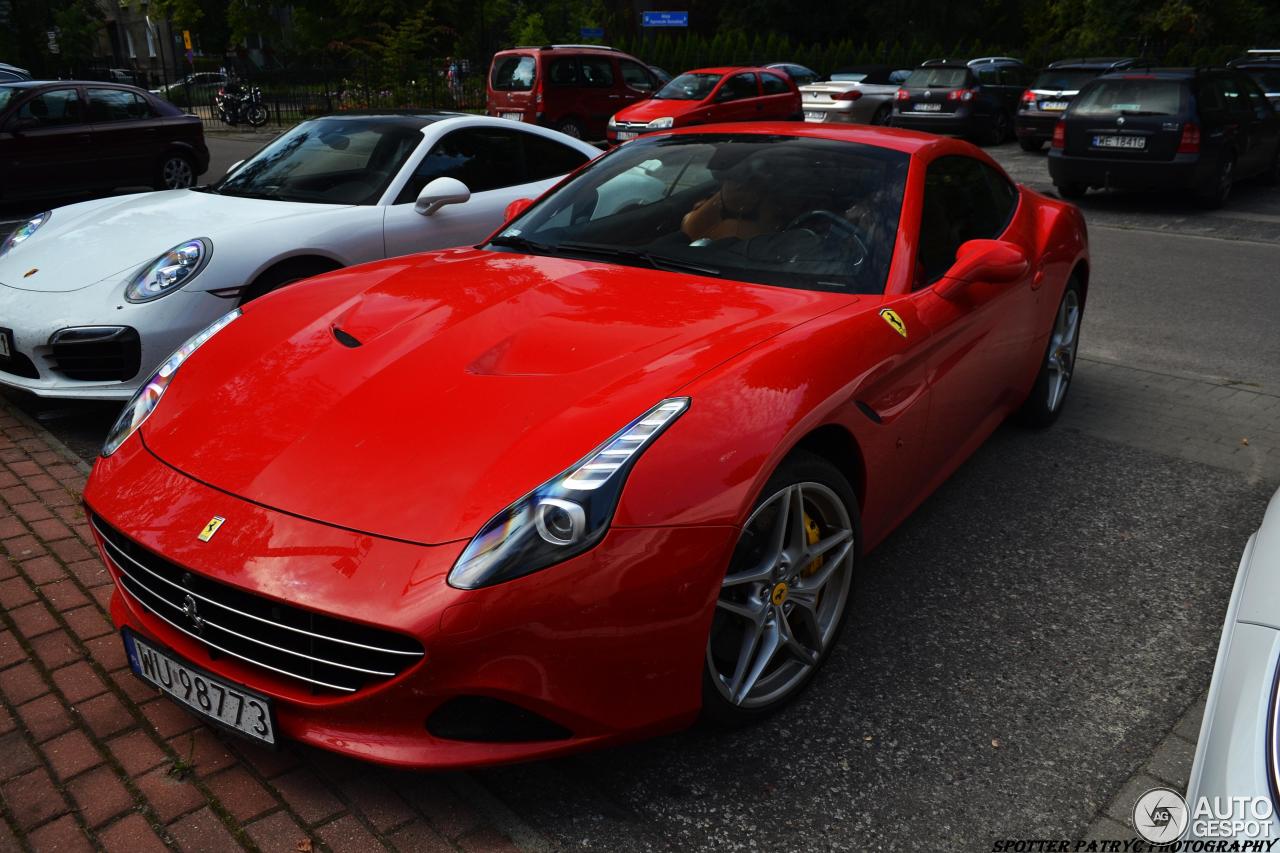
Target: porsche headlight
<point x="566" y="515"/>
<point x="170" y="271"/>
<point x="24" y="232"/>
<point x="661" y="123"/>
<point x="144" y="402"/>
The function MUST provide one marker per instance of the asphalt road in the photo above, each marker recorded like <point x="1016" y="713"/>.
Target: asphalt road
<point x="1024" y="641"/>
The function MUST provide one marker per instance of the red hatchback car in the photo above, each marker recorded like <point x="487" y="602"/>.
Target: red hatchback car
<point x="709" y="95"/>
<point x="572" y="88"/>
<point x="608" y="471"/>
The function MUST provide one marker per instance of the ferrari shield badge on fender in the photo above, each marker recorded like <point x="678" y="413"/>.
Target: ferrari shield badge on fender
<point x="211" y="528"/>
<point x="895" y="322"/>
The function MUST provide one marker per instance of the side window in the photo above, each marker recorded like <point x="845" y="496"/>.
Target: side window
<point x="737" y="87"/>
<point x="482" y="158"/>
<point x="963" y="200"/>
<point x="108" y="105"/>
<point x="53" y="108"/>
<point x="1209" y="94"/>
<point x="563" y="71"/>
<point x="597" y="72"/>
<point x="1235" y="99"/>
<point x="773" y="85"/>
<point x="1257" y="98"/>
<point x="635" y="75"/>
<point x="546" y="158"/>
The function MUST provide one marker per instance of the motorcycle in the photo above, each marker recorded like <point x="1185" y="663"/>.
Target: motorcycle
<point x="237" y="104"/>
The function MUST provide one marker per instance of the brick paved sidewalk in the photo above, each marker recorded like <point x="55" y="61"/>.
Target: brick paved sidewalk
<point x="91" y="758"/>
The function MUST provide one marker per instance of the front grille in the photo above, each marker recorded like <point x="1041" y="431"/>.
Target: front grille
<point x="93" y="354"/>
<point x="326" y="652"/>
<point x="631" y="125"/>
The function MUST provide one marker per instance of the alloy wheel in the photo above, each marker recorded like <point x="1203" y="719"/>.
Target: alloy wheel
<point x="1062" y="348"/>
<point x="782" y="599"/>
<point x="177" y="173"/>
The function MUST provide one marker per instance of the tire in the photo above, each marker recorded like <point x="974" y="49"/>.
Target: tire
<point x="882" y="115"/>
<point x="256" y="115"/>
<point x="1030" y="143"/>
<point x="571" y="127"/>
<point x="1000" y="126"/>
<point x="175" y="172"/>
<point x="1271" y="176"/>
<point x="283" y="274"/>
<point x="1214" y="193"/>
<point x="1049" y="394"/>
<point x="791" y="600"/>
<point x="1072" y="190"/>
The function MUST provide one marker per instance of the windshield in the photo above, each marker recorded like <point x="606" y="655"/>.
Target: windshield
<point x="326" y="161"/>
<point x="1130" y="96"/>
<point x="1268" y="78"/>
<point x="514" y="73"/>
<point x="689" y="87"/>
<point x="6" y="95"/>
<point x="815" y="214"/>
<point x="1064" y="79"/>
<point x="937" y="78"/>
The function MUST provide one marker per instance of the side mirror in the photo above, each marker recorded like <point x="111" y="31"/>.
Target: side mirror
<point x="991" y="261"/>
<point x="516" y="208"/>
<point x="440" y="192"/>
<point x="236" y="165"/>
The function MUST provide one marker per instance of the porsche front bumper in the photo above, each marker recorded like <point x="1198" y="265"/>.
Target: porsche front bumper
<point x="604" y="647"/>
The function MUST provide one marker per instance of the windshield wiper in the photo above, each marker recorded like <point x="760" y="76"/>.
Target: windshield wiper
<point x="522" y="244"/>
<point x="661" y="262"/>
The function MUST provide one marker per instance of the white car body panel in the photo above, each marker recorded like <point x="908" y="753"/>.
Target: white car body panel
<point x="1231" y="754"/>
<point x="84" y="255"/>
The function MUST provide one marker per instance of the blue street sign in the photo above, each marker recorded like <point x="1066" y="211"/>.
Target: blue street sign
<point x="664" y="19"/>
<point x="591" y="32"/>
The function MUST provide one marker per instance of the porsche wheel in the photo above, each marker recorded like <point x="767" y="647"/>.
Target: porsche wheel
<point x="1044" y="404"/>
<point x="783" y="599"/>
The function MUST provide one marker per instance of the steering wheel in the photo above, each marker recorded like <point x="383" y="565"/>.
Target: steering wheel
<point x="835" y="223"/>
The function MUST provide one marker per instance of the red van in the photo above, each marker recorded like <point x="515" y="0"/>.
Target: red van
<point x="707" y="95"/>
<point x="572" y="88"/>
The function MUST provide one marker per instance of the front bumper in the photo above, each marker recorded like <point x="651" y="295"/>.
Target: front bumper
<point x="1184" y="171"/>
<point x="35" y="317"/>
<point x="608" y="645"/>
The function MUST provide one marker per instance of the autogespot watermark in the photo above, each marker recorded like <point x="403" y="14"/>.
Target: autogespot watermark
<point x="1164" y="821"/>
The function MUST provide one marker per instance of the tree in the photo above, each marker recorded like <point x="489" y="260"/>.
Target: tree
<point x="78" y="23"/>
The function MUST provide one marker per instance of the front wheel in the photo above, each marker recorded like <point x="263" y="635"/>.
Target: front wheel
<point x="256" y="115"/>
<point x="571" y="127"/>
<point x="783" y="599"/>
<point x="999" y="130"/>
<point x="1053" y="381"/>
<point x="176" y="172"/>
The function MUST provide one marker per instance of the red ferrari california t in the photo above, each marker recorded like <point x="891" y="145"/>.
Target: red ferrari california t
<point x="613" y="469"/>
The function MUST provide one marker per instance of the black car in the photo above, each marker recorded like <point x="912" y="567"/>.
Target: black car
<point x="1264" y="67"/>
<point x="976" y="99"/>
<point x="69" y="137"/>
<point x="1051" y="93"/>
<point x="1192" y="128"/>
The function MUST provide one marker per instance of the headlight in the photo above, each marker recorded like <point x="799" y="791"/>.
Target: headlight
<point x="148" y="397"/>
<point x="24" y="232"/>
<point x="170" y="271"/>
<point x="564" y="516"/>
<point x="661" y="123"/>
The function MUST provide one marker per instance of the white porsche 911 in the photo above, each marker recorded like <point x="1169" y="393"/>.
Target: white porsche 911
<point x="94" y="295"/>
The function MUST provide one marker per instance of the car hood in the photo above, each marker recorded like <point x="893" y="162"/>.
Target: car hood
<point x="83" y="244"/>
<point x="477" y="377"/>
<point x="654" y="108"/>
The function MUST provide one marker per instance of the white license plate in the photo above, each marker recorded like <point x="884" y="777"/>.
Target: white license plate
<point x="927" y="108"/>
<point x="513" y="116"/>
<point x="624" y="135"/>
<point x="1053" y="106"/>
<point x="5" y="349"/>
<point x="815" y="115"/>
<point x="1131" y="142"/>
<point x="209" y="696"/>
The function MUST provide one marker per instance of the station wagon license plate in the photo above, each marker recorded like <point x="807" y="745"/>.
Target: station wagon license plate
<point x="1136" y="143"/>
<point x="222" y="702"/>
<point x="815" y="115"/>
<point x="1053" y="106"/>
<point x="624" y="135"/>
<point x="513" y="116"/>
<point x="927" y="108"/>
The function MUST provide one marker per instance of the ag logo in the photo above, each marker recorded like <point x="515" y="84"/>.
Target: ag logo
<point x="895" y="322"/>
<point x="211" y="528"/>
<point x="1160" y="815"/>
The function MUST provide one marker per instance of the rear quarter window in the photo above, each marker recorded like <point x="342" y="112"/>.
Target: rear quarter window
<point x="774" y="85"/>
<point x="1131" y="96"/>
<point x="514" y="72"/>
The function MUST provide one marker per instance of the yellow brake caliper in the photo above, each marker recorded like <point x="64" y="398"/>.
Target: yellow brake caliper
<point x="811" y="533"/>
